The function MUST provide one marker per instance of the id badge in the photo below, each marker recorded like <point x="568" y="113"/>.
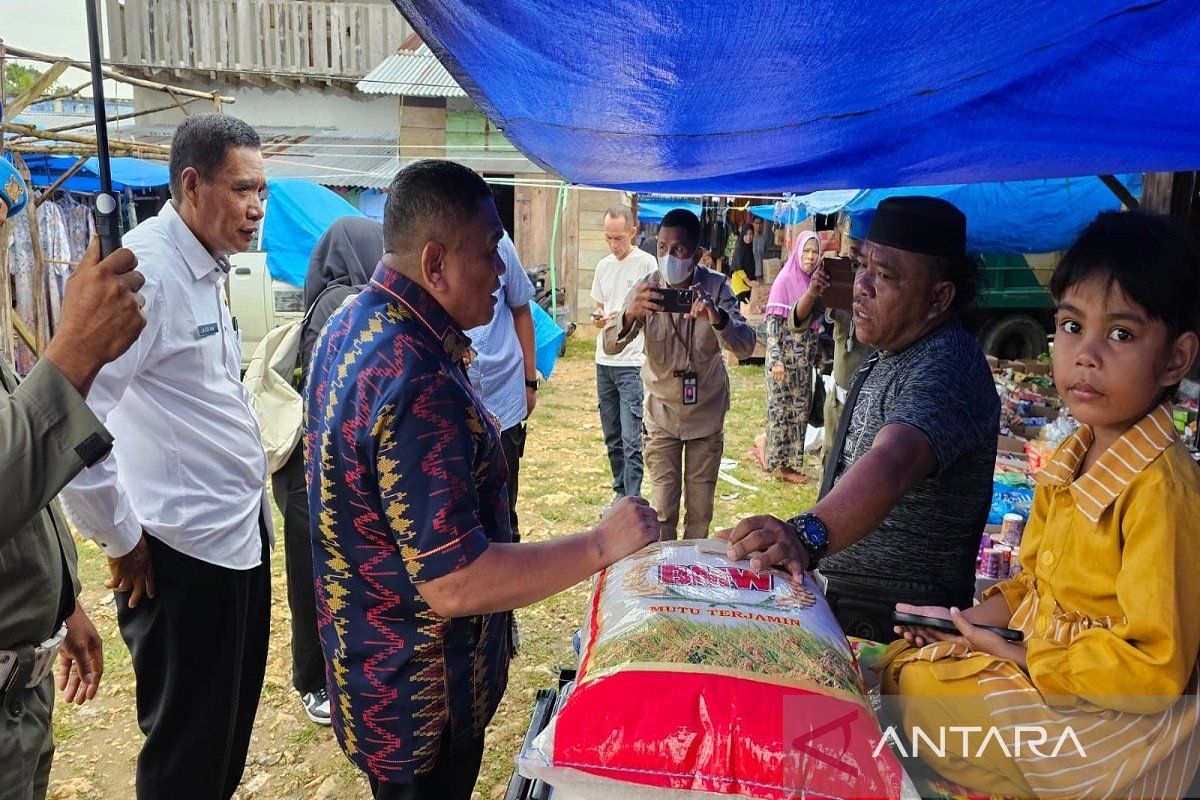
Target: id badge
<point x="690" y="388"/>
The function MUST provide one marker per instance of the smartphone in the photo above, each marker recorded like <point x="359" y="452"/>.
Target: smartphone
<point x="840" y="293"/>
<point x="676" y="301"/>
<point x="937" y="623"/>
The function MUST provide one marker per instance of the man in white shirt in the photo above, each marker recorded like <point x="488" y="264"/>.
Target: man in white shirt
<point x="618" y="377"/>
<point x="181" y="508"/>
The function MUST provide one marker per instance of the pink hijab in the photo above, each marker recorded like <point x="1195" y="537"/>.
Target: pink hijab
<point x="792" y="281"/>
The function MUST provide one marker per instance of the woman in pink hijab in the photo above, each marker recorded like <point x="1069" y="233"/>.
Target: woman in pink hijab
<point x="791" y="356"/>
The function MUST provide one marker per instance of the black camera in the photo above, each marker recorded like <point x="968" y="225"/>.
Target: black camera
<point x="676" y="301"/>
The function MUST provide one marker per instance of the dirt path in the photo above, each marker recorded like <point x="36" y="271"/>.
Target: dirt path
<point x="565" y="483"/>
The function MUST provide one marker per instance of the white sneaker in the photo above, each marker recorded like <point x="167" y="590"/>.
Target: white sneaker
<point x="316" y="706"/>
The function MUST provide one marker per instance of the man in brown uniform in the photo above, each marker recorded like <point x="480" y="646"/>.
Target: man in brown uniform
<point x="687" y="384"/>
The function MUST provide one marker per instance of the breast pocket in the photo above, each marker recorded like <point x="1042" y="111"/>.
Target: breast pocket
<point x="657" y="328"/>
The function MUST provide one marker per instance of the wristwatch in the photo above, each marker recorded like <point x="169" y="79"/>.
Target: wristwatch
<point x="813" y="536"/>
<point x="531" y="384"/>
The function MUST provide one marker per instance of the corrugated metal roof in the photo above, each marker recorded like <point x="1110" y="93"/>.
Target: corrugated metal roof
<point x="362" y="158"/>
<point x="415" y="73"/>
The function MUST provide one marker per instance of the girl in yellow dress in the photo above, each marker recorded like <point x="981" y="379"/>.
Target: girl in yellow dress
<point x="1104" y="683"/>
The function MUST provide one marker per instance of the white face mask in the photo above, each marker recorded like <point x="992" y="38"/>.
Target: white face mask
<point x="675" y="269"/>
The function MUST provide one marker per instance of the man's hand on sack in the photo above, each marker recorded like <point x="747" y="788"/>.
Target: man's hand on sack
<point x="766" y="541"/>
<point x="629" y="525"/>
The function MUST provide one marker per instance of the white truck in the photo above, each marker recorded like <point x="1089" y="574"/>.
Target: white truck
<point x="258" y="301"/>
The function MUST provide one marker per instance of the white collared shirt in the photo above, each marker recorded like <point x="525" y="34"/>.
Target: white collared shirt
<point x="187" y="464"/>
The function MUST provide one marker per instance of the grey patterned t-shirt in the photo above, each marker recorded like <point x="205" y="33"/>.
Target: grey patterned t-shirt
<point x="940" y="385"/>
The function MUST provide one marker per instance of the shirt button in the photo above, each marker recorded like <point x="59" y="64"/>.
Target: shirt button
<point x="1047" y="558"/>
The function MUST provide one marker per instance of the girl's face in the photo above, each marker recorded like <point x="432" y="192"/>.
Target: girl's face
<point x="1111" y="360"/>
<point x="809" y="256"/>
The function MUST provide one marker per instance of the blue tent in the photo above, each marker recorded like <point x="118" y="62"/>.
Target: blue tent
<point x="298" y="214"/>
<point x="709" y="96"/>
<point x="1015" y="217"/>
<point x="1022" y="216"/>
<point x="652" y="211"/>
<point x="132" y="173"/>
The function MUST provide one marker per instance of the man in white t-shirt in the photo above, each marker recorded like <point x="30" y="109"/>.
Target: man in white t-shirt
<point x="618" y="377"/>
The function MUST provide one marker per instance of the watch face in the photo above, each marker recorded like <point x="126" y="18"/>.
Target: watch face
<point x="814" y="531"/>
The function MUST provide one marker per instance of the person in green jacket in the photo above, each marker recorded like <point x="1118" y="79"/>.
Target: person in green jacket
<point x="47" y="435"/>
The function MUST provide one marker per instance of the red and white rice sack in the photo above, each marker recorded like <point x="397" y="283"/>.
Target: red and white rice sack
<point x="701" y="678"/>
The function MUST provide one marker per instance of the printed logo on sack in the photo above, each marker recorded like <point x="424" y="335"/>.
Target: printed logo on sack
<point x="681" y="577"/>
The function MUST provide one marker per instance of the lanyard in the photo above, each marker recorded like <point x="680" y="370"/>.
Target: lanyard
<point x="690" y="327"/>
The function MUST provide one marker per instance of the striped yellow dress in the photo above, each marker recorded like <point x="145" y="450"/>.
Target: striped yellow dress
<point x="1109" y="603"/>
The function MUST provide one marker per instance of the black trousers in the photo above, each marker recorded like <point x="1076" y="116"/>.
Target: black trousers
<point x="512" y="441"/>
<point x="199" y="652"/>
<point x="452" y="778"/>
<point x="289" y="487"/>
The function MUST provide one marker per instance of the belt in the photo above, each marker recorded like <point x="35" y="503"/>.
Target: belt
<point x="43" y="661"/>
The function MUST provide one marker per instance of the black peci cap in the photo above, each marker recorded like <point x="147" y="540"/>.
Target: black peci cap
<point x="918" y="224"/>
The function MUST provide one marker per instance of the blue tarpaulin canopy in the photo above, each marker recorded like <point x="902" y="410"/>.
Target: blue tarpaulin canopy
<point x="132" y="173"/>
<point x="298" y="214"/>
<point x="652" y="211"/>
<point x="1022" y="216"/>
<point x="708" y="96"/>
<point x="1015" y="217"/>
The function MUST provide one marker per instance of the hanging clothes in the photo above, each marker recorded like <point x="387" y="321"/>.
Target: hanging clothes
<point x="57" y="250"/>
<point x="77" y="212"/>
<point x="52" y="231"/>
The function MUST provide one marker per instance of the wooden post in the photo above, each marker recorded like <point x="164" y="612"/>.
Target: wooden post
<point x="41" y="198"/>
<point x="570" y="262"/>
<point x="1169" y="193"/>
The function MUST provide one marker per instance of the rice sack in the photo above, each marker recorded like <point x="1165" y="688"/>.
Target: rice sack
<point x="700" y="677"/>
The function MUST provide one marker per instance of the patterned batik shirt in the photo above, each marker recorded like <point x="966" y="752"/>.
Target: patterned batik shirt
<point x="406" y="483"/>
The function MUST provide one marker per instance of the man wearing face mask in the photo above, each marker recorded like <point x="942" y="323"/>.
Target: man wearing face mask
<point x="687" y="385"/>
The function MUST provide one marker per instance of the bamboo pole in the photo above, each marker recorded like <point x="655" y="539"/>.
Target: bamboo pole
<point x="77" y="150"/>
<point x="33" y="55"/>
<point x="130" y="115"/>
<point x="28" y="131"/>
<point x="64" y="95"/>
<point x="25" y="334"/>
<point x="35" y="90"/>
<point x="41" y="198"/>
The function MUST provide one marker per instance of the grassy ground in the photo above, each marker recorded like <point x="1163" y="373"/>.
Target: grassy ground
<point x="564" y="484"/>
